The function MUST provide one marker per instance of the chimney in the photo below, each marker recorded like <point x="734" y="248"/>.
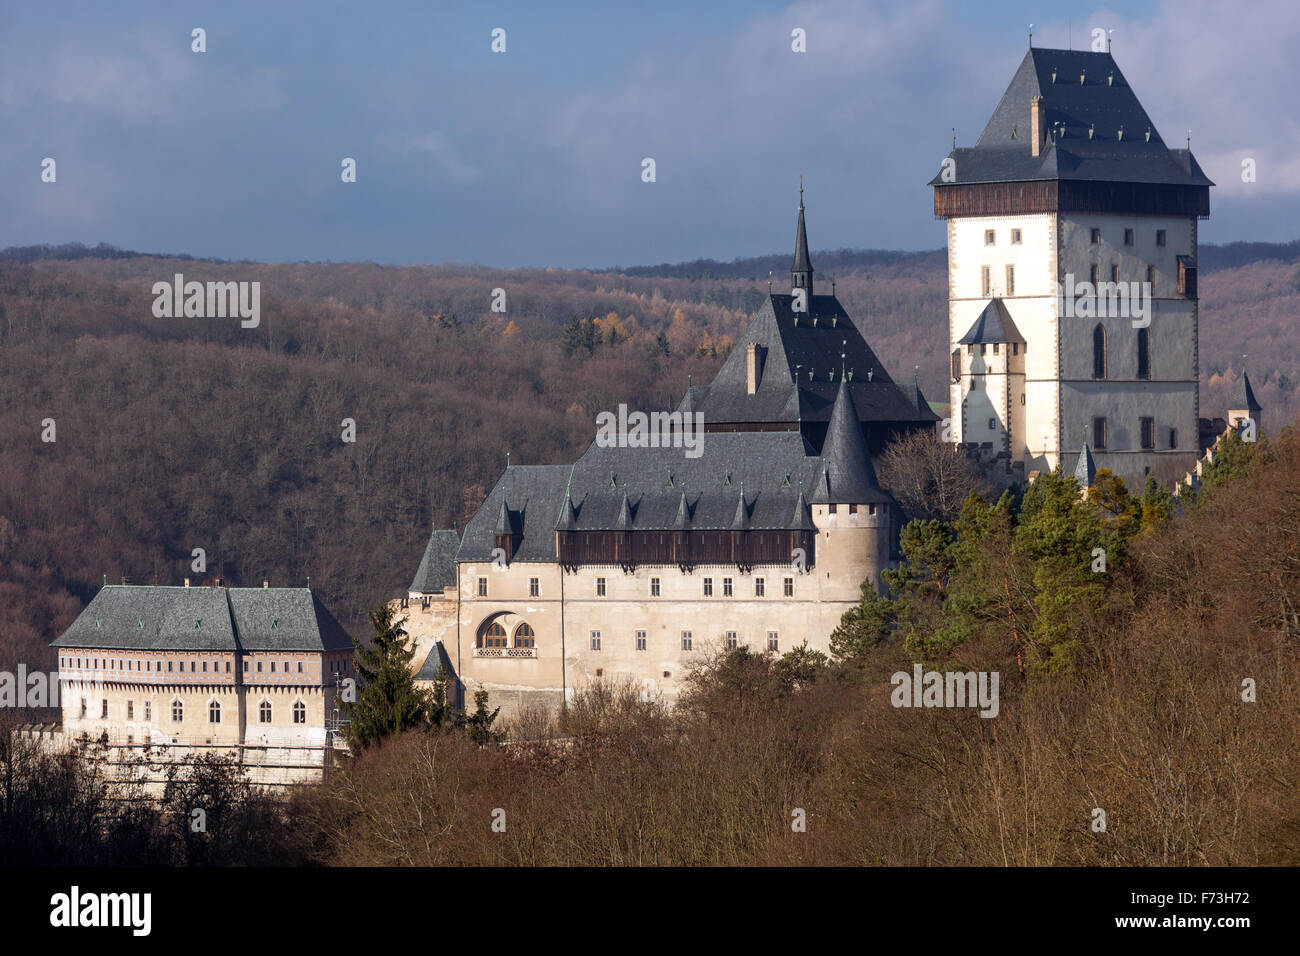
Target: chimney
<point x="1037" y="125"/>
<point x="753" y="366"/>
<point x="187" y="582"/>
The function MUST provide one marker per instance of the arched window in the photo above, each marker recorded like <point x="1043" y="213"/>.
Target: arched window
<point x="1144" y="354"/>
<point x="178" y="711"/>
<point x="264" y="711"/>
<point x="1099" y="352"/>
<point x="495" y="635"/>
<point x="524" y="636"/>
<point x="214" y="713"/>
<point x="300" y="713"/>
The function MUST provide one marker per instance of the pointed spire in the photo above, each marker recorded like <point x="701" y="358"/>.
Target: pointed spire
<point x="683" y="520"/>
<point x="801" y="521"/>
<point x="568" y="516"/>
<point x="801" y="273"/>
<point x="624" y="522"/>
<point x="847" y="474"/>
<point x="740" y="522"/>
<point x="504" y="525"/>
<point x="1243" y="397"/>
<point x="1086" y="469"/>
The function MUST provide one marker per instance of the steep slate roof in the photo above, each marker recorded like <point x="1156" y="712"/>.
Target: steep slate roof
<point x="1104" y="103"/>
<point x="533" y="494"/>
<point x="796" y="348"/>
<point x="802" y="263"/>
<point x="1085" y="470"/>
<point x="993" y="325"/>
<point x="147" y="617"/>
<point x="437" y="570"/>
<point x="436" y="664"/>
<point x="1243" y="396"/>
<point x="846" y="474"/>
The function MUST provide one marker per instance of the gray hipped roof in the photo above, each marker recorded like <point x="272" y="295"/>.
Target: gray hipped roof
<point x="437" y="570"/>
<point x="1099" y="130"/>
<point x="437" y="664"/>
<point x="993" y="325"/>
<point x="534" y="496"/>
<point x="147" y="617"/>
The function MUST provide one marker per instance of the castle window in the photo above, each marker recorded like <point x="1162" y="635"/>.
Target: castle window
<point x="600" y="587"/>
<point x="482" y="587"/>
<point x="1011" y="279"/>
<point x="726" y="587"/>
<point x="831" y="509"/>
<point x="495" y="635"/>
<point x="985" y="282"/>
<point x="732" y="640"/>
<point x="990" y="237"/>
<point x="130" y="710"/>
<point x="103" y="710"/>
<point x="214" y="713"/>
<point x="264" y="712"/>
<point x="259" y="667"/>
<point x="788" y="587"/>
<point x="654" y="587"/>
<point x="871" y="509"/>
<point x="1099" y="351"/>
<point x="299" y="712"/>
<point x="524" y="636"/>
<point x="773" y="641"/>
<point x="1144" y="354"/>
<point x="760" y="587"/>
<point x="1160" y="237"/>
<point x="1094" y="273"/>
<point x="299" y="667"/>
<point x="245" y="667"/>
<point x="1094" y="236"/>
<point x="1186" y="278"/>
<point x="169" y="666"/>
<point x="1015" y="237"/>
<point x="708" y="587"/>
<point x="686" y="640"/>
<point x="853" y="509"/>
<point x="178" y="711"/>
<point x="83" y="707"/>
<point x="1128" y="237"/>
<point x="1148" y="432"/>
<point x="640" y="640"/>
<point x="534" y="587"/>
<point x="1151" y="276"/>
<point x="1099" y="433"/>
<point x="993" y="424"/>
<point x="1015" y="348"/>
<point x="995" y="348"/>
<point x="272" y="667"/>
<point x="595" y="640"/>
<point x="1173" y="438"/>
<point x="1114" y="273"/>
<point x="148" y="711"/>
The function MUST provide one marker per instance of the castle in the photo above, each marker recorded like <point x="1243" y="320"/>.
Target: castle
<point x="635" y="562"/>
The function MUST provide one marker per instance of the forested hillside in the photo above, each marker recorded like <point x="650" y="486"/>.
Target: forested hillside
<point x="175" y="434"/>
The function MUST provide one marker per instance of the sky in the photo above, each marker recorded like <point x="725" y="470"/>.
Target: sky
<point x="533" y="156"/>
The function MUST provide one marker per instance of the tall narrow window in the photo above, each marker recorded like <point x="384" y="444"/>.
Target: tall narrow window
<point x="1099" y="433"/>
<point x="264" y="712"/>
<point x="214" y="713"/>
<point x="534" y="587"/>
<point x="1011" y="279"/>
<point x="640" y="640"/>
<point x="482" y="587"/>
<point x="984" y="281"/>
<point x="732" y="640"/>
<point x="1095" y="236"/>
<point x="654" y="587"/>
<point x="600" y="587"/>
<point x="299" y="713"/>
<point x="1160" y="237"/>
<point x="1128" y="237"/>
<point x="1148" y="432"/>
<point x="1144" y="354"/>
<point x="178" y="711"/>
<point x="1099" y="351"/>
<point x="1094" y="273"/>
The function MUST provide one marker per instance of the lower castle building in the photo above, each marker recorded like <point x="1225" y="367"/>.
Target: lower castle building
<point x="639" y="560"/>
<point x="158" y="673"/>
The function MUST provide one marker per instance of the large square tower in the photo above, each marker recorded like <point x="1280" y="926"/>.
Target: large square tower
<point x="1072" y="277"/>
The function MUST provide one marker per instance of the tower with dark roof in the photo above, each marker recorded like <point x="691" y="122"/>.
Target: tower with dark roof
<point x="1072" y="246"/>
<point x="1244" y="405"/>
<point x="801" y="271"/>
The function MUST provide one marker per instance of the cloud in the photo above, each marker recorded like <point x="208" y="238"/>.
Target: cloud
<point x="435" y="144"/>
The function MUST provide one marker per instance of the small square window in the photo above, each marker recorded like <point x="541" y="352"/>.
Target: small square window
<point x="1015" y="237"/>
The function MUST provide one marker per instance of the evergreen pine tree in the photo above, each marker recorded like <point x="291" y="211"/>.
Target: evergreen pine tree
<point x="388" y="701"/>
